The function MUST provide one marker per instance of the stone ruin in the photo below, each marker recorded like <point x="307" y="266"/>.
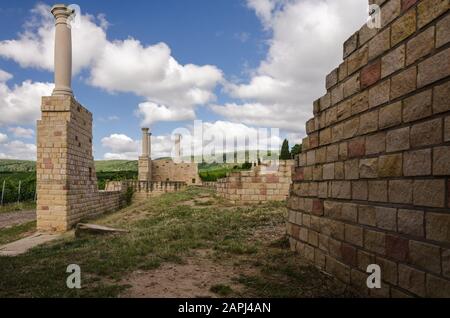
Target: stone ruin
<point x="263" y="183"/>
<point x="372" y="185"/>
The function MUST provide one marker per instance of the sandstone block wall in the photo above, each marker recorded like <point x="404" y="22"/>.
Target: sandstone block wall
<point x="144" y="168"/>
<point x="66" y="181"/>
<point x="372" y="185"/>
<point x="257" y="185"/>
<point x="148" y="189"/>
<point x="167" y="170"/>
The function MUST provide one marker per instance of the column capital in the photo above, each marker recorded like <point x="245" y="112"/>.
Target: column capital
<point x="61" y="12"/>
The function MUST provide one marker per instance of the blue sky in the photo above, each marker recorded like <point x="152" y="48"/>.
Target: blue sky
<point x="234" y="64"/>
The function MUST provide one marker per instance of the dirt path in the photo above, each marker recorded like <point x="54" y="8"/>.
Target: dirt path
<point x="190" y="280"/>
<point x="15" y="218"/>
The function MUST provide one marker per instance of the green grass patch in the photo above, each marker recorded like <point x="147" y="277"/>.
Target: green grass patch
<point x="222" y="290"/>
<point x="15" y="233"/>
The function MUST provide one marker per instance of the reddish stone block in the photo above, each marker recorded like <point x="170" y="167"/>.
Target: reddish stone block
<point x="356" y="148"/>
<point x="406" y="4"/>
<point x="371" y="74"/>
<point x="349" y="255"/>
<point x="48" y="166"/>
<point x="47" y="160"/>
<point x="397" y="247"/>
<point x="272" y="179"/>
<point x="57" y="133"/>
<point x="299" y="174"/>
<point x="317" y="207"/>
<point x="45" y="208"/>
<point x="295" y="231"/>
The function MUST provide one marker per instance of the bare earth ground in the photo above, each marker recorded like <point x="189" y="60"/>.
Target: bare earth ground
<point x="10" y="219"/>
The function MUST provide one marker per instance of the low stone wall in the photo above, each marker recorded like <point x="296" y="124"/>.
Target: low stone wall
<point x="372" y="185"/>
<point x="259" y="185"/>
<point x="147" y="189"/>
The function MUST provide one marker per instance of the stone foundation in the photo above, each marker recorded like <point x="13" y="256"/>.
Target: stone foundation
<point x="258" y="185"/>
<point x="163" y="170"/>
<point x="148" y="189"/>
<point x="372" y="185"/>
<point x="66" y="180"/>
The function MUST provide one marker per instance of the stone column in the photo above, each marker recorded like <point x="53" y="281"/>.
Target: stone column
<point x="149" y="144"/>
<point x="63" y="51"/>
<point x="178" y="147"/>
<point x="145" y="143"/>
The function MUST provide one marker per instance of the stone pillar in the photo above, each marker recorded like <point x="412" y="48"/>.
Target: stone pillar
<point x="145" y="143"/>
<point x="63" y="51"/>
<point x="150" y="145"/>
<point x="178" y="147"/>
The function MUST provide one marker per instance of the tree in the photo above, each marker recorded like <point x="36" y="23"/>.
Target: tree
<point x="285" y="153"/>
<point x="296" y="150"/>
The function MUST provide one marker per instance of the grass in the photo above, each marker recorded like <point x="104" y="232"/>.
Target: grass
<point x="221" y="290"/>
<point x="16" y="207"/>
<point x="16" y="232"/>
<point x="162" y="230"/>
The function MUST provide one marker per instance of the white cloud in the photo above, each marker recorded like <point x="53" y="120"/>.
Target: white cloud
<point x="151" y="113"/>
<point x="120" y="143"/>
<point x="118" y="66"/>
<point x="305" y="45"/>
<point x="3" y="138"/>
<point x="35" y="46"/>
<point x="21" y="103"/>
<point x="18" y="150"/>
<point x="21" y="132"/>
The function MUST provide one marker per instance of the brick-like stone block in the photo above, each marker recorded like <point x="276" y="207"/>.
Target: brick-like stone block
<point x="429" y="10"/>
<point x="426" y="256"/>
<point x="441" y="98"/>
<point x="379" y="94"/>
<point x="350" y="45"/>
<point x="441" y="161"/>
<point x="434" y="68"/>
<point x="437" y="287"/>
<point x="339" y="172"/>
<point x="351" y="86"/>
<point x="379" y="44"/>
<point x="357" y="60"/>
<point x="332" y="79"/>
<point x="411" y="280"/>
<point x="420" y="46"/>
<point x="438" y="227"/>
<point x="354" y="234"/>
<point x="351" y="169"/>
<point x="376" y="144"/>
<point x="447" y="128"/>
<point x="426" y="133"/>
<point x="378" y="191"/>
<point x="356" y="147"/>
<point x="368" y="122"/>
<point x="397" y="247"/>
<point x="328" y="171"/>
<point x="442" y="34"/>
<point x="390" y="11"/>
<point x="411" y="222"/>
<point x="404" y="82"/>
<point x="417" y="163"/>
<point x="371" y="74"/>
<point x="386" y="218"/>
<point x="401" y="191"/>
<point x="446" y="262"/>
<point x="360" y="102"/>
<point x="393" y="61"/>
<point x="403" y="27"/>
<point x="375" y="241"/>
<point x="397" y="139"/>
<point x="341" y="189"/>
<point x="390" y="115"/>
<point x="360" y="190"/>
<point x="367" y="215"/>
<point x="368" y="168"/>
<point x="429" y="193"/>
<point x="351" y="127"/>
<point x="417" y="107"/>
<point x="389" y="270"/>
<point x="390" y="165"/>
<point x="406" y="4"/>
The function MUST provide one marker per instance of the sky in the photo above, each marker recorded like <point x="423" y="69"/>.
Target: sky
<point x="236" y="65"/>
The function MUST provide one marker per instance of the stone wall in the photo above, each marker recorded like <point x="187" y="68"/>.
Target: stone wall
<point x="148" y="189"/>
<point x="167" y="170"/>
<point x="257" y="185"/>
<point x="372" y="185"/>
<point x="66" y="180"/>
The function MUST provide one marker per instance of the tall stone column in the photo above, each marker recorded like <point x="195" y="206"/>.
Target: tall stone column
<point x="150" y="145"/>
<point x="63" y="51"/>
<point x="178" y="147"/>
<point x="145" y="143"/>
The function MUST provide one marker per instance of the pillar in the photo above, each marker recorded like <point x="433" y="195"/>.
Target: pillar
<point x="178" y="147"/>
<point x="63" y="51"/>
<point x="145" y="143"/>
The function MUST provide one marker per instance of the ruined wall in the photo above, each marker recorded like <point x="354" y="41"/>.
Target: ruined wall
<point x="372" y="185"/>
<point x="66" y="180"/>
<point x="144" y="189"/>
<point x="167" y="170"/>
<point x="257" y="185"/>
<point x="144" y="168"/>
